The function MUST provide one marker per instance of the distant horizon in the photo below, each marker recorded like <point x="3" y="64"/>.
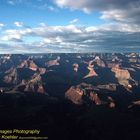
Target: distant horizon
<point x="40" y="53"/>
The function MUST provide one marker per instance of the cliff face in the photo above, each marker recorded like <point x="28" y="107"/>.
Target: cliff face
<point x="42" y="70"/>
<point x="23" y="64"/>
<point x="54" y="62"/>
<point x="41" y="89"/>
<point x="75" y="67"/>
<point x="110" y="87"/>
<point x="11" y="76"/>
<point x="107" y="72"/>
<point x="75" y="95"/>
<point x="99" y="62"/>
<point x="34" y="85"/>
<point x="83" y="93"/>
<point x="113" y="65"/>
<point x="91" y="70"/>
<point x="94" y="97"/>
<point x="33" y="66"/>
<point x="28" y="64"/>
<point x="86" y="107"/>
<point x="122" y="75"/>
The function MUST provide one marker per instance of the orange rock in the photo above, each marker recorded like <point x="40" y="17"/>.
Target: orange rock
<point x="52" y="63"/>
<point x="32" y="66"/>
<point x="41" y="89"/>
<point x="75" y="95"/>
<point x="94" y="97"/>
<point x="91" y="71"/>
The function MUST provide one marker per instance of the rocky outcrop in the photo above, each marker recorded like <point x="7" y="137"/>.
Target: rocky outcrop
<point x="132" y="60"/>
<point x="28" y="64"/>
<point x="91" y="70"/>
<point x="83" y="93"/>
<point x="34" y="85"/>
<point x="99" y="62"/>
<point x="113" y="65"/>
<point x="23" y="64"/>
<point x="75" y="67"/>
<point x="42" y="70"/>
<point x="103" y="74"/>
<point x="111" y="102"/>
<point x="110" y="87"/>
<point x="41" y="89"/>
<point x="52" y="63"/>
<point x="136" y="102"/>
<point x="123" y="76"/>
<point x="75" y="95"/>
<point x="94" y="97"/>
<point x="11" y="76"/>
<point x="1" y="90"/>
<point x="32" y="66"/>
<point x="137" y="66"/>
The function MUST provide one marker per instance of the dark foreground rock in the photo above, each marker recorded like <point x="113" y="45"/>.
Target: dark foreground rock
<point x="61" y="119"/>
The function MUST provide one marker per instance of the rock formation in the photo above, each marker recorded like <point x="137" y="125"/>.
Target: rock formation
<point x="75" y="67"/>
<point x="94" y="97"/>
<point x="75" y="95"/>
<point x="52" y="63"/>
<point x="91" y="70"/>
<point x="123" y="76"/>
<point x="99" y="62"/>
<point x="11" y="76"/>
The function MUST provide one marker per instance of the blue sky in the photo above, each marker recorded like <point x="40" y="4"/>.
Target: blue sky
<point x="34" y="12"/>
<point x="69" y="26"/>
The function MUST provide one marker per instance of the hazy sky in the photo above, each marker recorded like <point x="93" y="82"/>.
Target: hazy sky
<point x="69" y="26"/>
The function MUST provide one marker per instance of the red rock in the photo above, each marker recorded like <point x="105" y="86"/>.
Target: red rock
<point x="23" y="64"/>
<point x="28" y="64"/>
<point x="94" y="97"/>
<point x="42" y="70"/>
<point x="41" y="89"/>
<point x="52" y="63"/>
<point x="91" y="71"/>
<point x="75" y="67"/>
<point x="111" y="87"/>
<point x="111" y="102"/>
<point x="99" y="61"/>
<point x="11" y="76"/>
<point x="32" y="66"/>
<point x="113" y="65"/>
<point x="122" y="75"/>
<point x="75" y="95"/>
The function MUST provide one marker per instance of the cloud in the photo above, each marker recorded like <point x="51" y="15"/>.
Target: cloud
<point x="11" y="2"/>
<point x="41" y="5"/>
<point x="15" y="35"/>
<point x="74" y="21"/>
<point x="127" y="11"/>
<point x="14" y="2"/>
<point x="51" y="8"/>
<point x="42" y="24"/>
<point x="122" y="33"/>
<point x="19" y="24"/>
<point x="72" y="38"/>
<point x="1" y="25"/>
